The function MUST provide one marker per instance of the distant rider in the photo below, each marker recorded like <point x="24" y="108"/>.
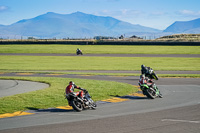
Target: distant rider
<point x="78" y="51"/>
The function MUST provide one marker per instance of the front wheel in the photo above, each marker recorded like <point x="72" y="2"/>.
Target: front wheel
<point x="93" y="105"/>
<point x="77" y="105"/>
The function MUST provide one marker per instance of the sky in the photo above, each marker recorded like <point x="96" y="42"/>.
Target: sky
<point x="157" y="14"/>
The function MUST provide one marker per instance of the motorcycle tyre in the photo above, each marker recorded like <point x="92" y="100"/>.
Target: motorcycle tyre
<point x="75" y="107"/>
<point x="149" y="94"/>
<point x="94" y="105"/>
<point x="79" y="53"/>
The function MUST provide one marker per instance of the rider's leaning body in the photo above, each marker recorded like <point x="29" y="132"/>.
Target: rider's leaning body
<point x="70" y="89"/>
<point x="146" y="80"/>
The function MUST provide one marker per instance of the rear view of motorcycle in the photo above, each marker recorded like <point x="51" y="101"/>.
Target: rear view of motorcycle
<point x="79" y="52"/>
<point x="80" y="104"/>
<point x="147" y="84"/>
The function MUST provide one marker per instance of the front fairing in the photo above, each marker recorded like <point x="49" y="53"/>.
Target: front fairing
<point x="144" y="86"/>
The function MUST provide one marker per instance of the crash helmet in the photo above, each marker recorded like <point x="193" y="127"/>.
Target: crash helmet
<point x="142" y="66"/>
<point x="142" y="76"/>
<point x="71" y="83"/>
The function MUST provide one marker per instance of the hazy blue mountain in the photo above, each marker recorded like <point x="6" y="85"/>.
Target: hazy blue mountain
<point x="184" y="27"/>
<point x="75" y="25"/>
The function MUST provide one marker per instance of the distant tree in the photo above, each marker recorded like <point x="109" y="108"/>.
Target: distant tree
<point x="31" y="38"/>
<point x="135" y="37"/>
<point x="103" y="37"/>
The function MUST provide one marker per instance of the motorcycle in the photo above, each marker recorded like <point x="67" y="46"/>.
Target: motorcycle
<point x="151" y="91"/>
<point x="79" y="104"/>
<point x="78" y="51"/>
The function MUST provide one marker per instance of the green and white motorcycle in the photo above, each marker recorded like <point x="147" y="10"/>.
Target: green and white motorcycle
<point x="147" y="85"/>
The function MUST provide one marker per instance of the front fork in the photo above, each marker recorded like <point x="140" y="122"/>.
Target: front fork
<point x="157" y="91"/>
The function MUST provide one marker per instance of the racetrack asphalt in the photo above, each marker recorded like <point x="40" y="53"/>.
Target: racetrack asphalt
<point x="12" y="87"/>
<point x="177" y="111"/>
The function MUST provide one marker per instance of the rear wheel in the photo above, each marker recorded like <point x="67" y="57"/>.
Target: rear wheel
<point x="151" y="93"/>
<point x="77" y="105"/>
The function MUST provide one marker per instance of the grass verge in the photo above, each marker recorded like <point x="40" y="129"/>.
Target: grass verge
<point x="98" y="49"/>
<point x="14" y="63"/>
<point x="54" y="95"/>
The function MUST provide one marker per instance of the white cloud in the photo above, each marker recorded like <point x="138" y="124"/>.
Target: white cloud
<point x="3" y="8"/>
<point x="158" y="13"/>
<point x="130" y="12"/>
<point x="189" y="12"/>
<point x="121" y="13"/>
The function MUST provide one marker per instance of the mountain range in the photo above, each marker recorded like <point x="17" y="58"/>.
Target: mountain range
<point x="81" y="25"/>
<point x="192" y="26"/>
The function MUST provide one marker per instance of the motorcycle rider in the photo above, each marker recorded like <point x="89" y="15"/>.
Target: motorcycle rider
<point x="78" y="51"/>
<point x="146" y="77"/>
<point x="146" y="80"/>
<point x="70" y="89"/>
<point x="145" y="70"/>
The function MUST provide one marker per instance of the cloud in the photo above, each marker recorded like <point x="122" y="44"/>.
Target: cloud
<point x="120" y="13"/>
<point x="189" y="13"/>
<point x="130" y="12"/>
<point x="158" y="13"/>
<point x="3" y="8"/>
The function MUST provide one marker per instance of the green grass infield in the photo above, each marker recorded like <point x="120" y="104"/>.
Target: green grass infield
<point x="54" y="95"/>
<point x="13" y="63"/>
<point x="100" y="49"/>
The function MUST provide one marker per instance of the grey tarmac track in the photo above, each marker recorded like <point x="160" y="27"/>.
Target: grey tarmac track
<point x="178" y="112"/>
<point x="177" y="120"/>
<point x="12" y="87"/>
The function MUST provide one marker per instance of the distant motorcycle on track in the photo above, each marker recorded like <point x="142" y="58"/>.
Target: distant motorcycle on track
<point x="79" y="52"/>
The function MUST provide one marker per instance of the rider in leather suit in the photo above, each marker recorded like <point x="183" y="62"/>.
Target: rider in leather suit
<point x="70" y="89"/>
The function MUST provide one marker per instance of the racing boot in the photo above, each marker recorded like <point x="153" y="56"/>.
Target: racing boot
<point x="160" y="95"/>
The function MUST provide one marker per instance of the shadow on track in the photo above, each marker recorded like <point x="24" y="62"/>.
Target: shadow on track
<point x="130" y="97"/>
<point x="134" y="97"/>
<point x="50" y="110"/>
